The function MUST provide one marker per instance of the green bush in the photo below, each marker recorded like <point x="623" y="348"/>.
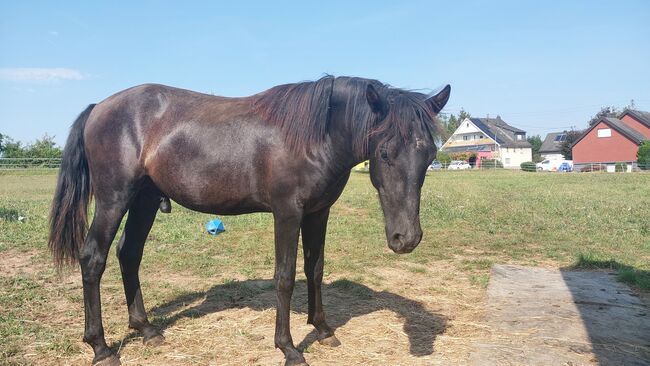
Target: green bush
<point x="528" y="166"/>
<point x="620" y="167"/>
<point x="491" y="164"/>
<point x="643" y="155"/>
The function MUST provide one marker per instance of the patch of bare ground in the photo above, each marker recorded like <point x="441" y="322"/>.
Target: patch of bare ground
<point x="394" y="316"/>
<point x="406" y="314"/>
<point x="14" y="262"/>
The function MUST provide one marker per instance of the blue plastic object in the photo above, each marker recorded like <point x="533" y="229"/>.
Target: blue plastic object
<point x="215" y="227"/>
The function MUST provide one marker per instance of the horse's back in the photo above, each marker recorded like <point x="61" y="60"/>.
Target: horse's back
<point x="207" y="153"/>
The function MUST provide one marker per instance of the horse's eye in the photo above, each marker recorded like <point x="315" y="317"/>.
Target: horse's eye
<point x="384" y="154"/>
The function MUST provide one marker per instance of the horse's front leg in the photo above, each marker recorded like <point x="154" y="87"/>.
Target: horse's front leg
<point x="287" y="228"/>
<point x="314" y="227"/>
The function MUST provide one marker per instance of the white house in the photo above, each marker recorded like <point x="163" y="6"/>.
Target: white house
<point x="490" y="138"/>
<point x="552" y="146"/>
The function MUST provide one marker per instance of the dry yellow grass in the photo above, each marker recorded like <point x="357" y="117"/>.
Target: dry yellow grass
<point x="215" y="301"/>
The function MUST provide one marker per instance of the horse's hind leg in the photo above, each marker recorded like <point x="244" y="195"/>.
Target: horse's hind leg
<point x="129" y="251"/>
<point x="92" y="259"/>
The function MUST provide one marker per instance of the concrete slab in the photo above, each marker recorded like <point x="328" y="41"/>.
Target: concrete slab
<point x="549" y="317"/>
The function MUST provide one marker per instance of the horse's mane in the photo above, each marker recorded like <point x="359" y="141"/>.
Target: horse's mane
<point x="406" y="111"/>
<point x="302" y="112"/>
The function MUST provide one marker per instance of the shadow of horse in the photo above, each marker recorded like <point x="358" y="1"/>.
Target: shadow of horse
<point x="343" y="300"/>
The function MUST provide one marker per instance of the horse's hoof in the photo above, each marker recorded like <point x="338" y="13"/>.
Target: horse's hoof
<point x="154" y="341"/>
<point x="295" y="363"/>
<point x="330" y="341"/>
<point x="112" y="360"/>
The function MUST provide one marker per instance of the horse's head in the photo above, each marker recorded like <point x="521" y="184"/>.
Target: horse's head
<point x="401" y="146"/>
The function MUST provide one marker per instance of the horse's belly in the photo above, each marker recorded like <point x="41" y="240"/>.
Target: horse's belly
<point x="214" y="170"/>
<point x="211" y="188"/>
<point x="224" y="207"/>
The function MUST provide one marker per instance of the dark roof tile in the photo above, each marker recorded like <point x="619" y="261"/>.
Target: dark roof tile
<point x="501" y="132"/>
<point x="551" y="144"/>
<point x="642" y="116"/>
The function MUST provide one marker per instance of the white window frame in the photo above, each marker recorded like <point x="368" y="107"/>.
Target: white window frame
<point x="604" y="132"/>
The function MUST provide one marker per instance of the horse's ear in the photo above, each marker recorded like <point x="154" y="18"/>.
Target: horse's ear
<point x="437" y="102"/>
<point x="376" y="104"/>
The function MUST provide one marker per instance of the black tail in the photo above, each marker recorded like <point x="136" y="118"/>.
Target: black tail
<point x="69" y="215"/>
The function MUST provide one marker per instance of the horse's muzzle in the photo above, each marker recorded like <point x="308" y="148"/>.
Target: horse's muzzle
<point x="404" y="243"/>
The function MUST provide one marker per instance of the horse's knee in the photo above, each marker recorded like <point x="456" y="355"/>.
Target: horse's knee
<point x="128" y="259"/>
<point x="284" y="284"/>
<point x="92" y="267"/>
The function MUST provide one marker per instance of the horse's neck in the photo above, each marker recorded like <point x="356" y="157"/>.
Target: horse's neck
<point x="341" y="145"/>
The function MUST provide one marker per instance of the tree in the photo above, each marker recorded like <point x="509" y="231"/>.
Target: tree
<point x="451" y="122"/>
<point x="443" y="157"/>
<point x="463" y="115"/>
<point x="609" y="111"/>
<point x="11" y="148"/>
<point x="643" y="155"/>
<point x="41" y="148"/>
<point x="536" y="142"/>
<point x="567" y="145"/>
<point x="44" y="148"/>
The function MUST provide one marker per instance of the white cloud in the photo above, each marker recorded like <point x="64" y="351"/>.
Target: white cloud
<point x="39" y="74"/>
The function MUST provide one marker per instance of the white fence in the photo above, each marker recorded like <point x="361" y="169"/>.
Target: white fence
<point x="610" y="167"/>
<point x="29" y="163"/>
<point x="627" y="166"/>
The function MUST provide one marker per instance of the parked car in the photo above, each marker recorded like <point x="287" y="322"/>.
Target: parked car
<point x="435" y="165"/>
<point x="566" y="166"/>
<point x="554" y="165"/>
<point x="363" y="166"/>
<point x="458" y="165"/>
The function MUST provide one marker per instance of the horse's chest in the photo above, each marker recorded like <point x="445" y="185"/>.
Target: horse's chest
<point x="324" y="196"/>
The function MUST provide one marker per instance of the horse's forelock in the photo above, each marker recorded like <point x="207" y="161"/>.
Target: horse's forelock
<point x="407" y="113"/>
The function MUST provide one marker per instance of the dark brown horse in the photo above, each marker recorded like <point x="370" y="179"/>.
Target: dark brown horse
<point x="288" y="150"/>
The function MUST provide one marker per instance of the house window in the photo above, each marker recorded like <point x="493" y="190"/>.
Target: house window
<point x="465" y="137"/>
<point x="507" y="161"/>
<point x="604" y="132"/>
<point x="519" y="137"/>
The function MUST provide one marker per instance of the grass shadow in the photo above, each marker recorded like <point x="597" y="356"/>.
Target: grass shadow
<point x="9" y="214"/>
<point x="343" y="300"/>
<point x="616" y="319"/>
<point x="625" y="273"/>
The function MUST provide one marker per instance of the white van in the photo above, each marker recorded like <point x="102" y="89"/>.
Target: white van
<point x="552" y="165"/>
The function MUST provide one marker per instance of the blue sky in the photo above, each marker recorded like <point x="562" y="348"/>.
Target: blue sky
<point x="541" y="66"/>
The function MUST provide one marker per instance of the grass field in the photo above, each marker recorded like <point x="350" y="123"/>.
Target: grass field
<point x="214" y="296"/>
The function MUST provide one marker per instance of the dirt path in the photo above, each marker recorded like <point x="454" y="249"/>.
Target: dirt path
<point x="548" y="317"/>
